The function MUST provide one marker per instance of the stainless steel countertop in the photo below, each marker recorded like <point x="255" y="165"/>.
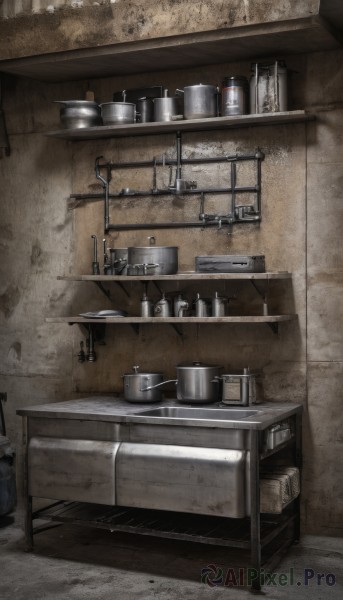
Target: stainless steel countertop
<point x="117" y="410"/>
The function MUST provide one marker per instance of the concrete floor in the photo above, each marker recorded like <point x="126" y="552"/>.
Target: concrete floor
<point x="81" y="563"/>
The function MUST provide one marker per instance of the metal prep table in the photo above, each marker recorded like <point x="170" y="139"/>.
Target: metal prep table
<point x="92" y="456"/>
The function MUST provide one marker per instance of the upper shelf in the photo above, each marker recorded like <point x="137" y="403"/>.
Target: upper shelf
<point x="111" y="131"/>
<point x="191" y="275"/>
<point x="249" y="42"/>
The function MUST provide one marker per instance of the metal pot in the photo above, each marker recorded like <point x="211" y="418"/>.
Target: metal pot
<point x="114" y="113"/>
<point x="165" y="109"/>
<point x="160" y="260"/>
<point x="145" y="108"/>
<point x="142" y="387"/>
<point x="76" y="114"/>
<point x="200" y="101"/>
<point x="196" y="383"/>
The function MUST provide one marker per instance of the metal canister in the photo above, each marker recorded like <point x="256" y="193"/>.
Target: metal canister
<point x="219" y="305"/>
<point x="235" y="94"/>
<point x="147" y="307"/>
<point x="268" y="87"/>
<point x="201" y="307"/>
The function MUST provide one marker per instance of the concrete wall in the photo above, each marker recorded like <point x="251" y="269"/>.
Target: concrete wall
<point x="43" y="236"/>
<point x="82" y="24"/>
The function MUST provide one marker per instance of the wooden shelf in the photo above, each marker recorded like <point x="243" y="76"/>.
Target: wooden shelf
<point x="191" y="275"/>
<point x="248" y="42"/>
<point x="174" y="320"/>
<point x="214" y="123"/>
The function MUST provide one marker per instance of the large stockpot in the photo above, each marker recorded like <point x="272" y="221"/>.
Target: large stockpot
<point x="76" y="114"/>
<point x="142" y="387"/>
<point x="200" y="101"/>
<point x="118" y="113"/>
<point x="163" y="259"/>
<point x="196" y="383"/>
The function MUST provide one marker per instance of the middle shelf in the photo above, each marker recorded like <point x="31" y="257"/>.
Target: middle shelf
<point x="139" y="320"/>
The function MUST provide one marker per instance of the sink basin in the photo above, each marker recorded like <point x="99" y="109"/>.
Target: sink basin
<point x="212" y="414"/>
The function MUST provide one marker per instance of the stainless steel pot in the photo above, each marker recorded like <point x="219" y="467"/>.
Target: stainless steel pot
<point x="142" y="387"/>
<point x="166" y="109"/>
<point x="200" y="101"/>
<point x="196" y="383"/>
<point x="76" y="114"/>
<point x="160" y="260"/>
<point x="118" y="113"/>
<point x="145" y="108"/>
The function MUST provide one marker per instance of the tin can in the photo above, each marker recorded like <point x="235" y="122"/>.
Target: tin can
<point x="235" y="93"/>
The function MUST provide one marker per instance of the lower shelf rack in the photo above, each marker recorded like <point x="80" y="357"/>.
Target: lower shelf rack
<point x="219" y="531"/>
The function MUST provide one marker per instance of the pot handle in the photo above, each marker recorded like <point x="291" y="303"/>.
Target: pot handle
<point x="179" y="92"/>
<point x="152" y="387"/>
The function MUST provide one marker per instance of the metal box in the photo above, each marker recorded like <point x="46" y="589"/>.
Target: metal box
<point x="230" y="263"/>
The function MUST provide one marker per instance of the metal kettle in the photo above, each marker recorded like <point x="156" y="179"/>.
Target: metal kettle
<point x="162" y="307"/>
<point x="180" y="305"/>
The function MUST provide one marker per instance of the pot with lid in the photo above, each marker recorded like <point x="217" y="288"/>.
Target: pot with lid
<point x="200" y="101"/>
<point x="157" y="260"/>
<point x="142" y="387"/>
<point x="196" y="383"/>
<point x="118" y="113"/>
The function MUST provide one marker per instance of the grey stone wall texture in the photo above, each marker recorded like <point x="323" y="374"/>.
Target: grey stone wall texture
<point x="43" y="236"/>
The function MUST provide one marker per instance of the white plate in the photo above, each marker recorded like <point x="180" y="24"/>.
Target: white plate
<point x="102" y="314"/>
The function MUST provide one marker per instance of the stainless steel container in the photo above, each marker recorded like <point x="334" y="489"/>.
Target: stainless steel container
<point x="140" y="387"/>
<point x="219" y="305"/>
<point x="147" y="307"/>
<point x="235" y="96"/>
<point x="268" y="87"/>
<point x="230" y="263"/>
<point x="76" y="114"/>
<point x="166" y="108"/>
<point x="239" y="389"/>
<point x="145" y="110"/>
<point x="200" y="101"/>
<point x="118" y="113"/>
<point x="197" y="383"/>
<point x="201" y="307"/>
<point x="162" y="307"/>
<point x="165" y="258"/>
<point x="180" y="306"/>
